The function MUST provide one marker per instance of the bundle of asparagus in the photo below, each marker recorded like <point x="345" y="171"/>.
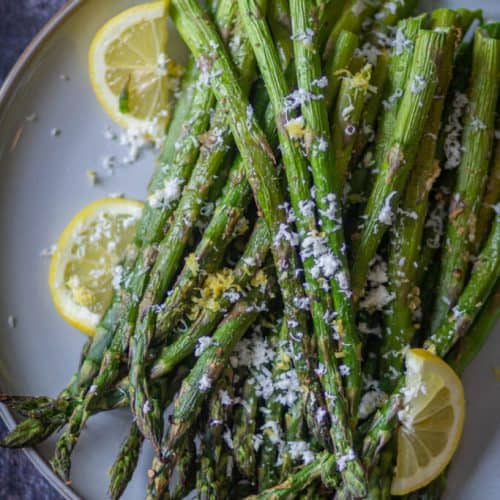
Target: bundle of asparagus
<point x="351" y="156"/>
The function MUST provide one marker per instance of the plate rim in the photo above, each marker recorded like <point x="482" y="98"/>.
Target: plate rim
<point x="7" y="91"/>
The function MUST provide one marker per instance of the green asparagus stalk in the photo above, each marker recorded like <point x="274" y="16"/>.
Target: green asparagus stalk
<point x="389" y="15"/>
<point x="125" y="463"/>
<point x="371" y="110"/>
<point x="259" y="161"/>
<point x="208" y="481"/>
<point x="405" y="242"/>
<point x="377" y="48"/>
<point x="328" y="182"/>
<point x="32" y="431"/>
<point x="295" y="482"/>
<point x="477" y="144"/>
<point x="347" y="115"/>
<point x="483" y="277"/>
<point x="268" y="471"/>
<point x="362" y="155"/>
<point x="351" y="19"/>
<point x="181" y="109"/>
<point x="345" y="47"/>
<point x="397" y="79"/>
<point x="294" y="430"/>
<point x="186" y="470"/>
<point x="429" y="266"/>
<point x="244" y="425"/>
<point x="401" y="152"/>
<point x="278" y="16"/>
<point x="26" y="406"/>
<point x="327" y="13"/>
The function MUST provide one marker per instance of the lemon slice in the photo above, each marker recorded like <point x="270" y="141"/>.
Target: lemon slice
<point x="86" y="264"/>
<point x="431" y="421"/>
<point x="127" y="58"/>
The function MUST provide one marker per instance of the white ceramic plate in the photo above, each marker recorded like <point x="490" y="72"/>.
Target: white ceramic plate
<point x="44" y="184"/>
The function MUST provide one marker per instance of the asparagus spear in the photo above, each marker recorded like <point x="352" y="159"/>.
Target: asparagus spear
<point x="345" y="47"/>
<point x="245" y="270"/>
<point x="126" y="462"/>
<point x="449" y="157"/>
<point x="210" y="460"/>
<point x="351" y="19"/>
<point x="347" y="115"/>
<point x="360" y="168"/>
<point x="472" y="171"/>
<point x="400" y="156"/>
<point x="295" y="482"/>
<point x="244" y="425"/>
<point x="327" y="182"/>
<point x="370" y="113"/>
<point x="376" y="51"/>
<point x="261" y="174"/>
<point x="397" y="78"/>
<point x="328" y="12"/>
<point x="268" y="470"/>
<point x="405" y="241"/>
<point x="483" y="277"/>
<point x="186" y="470"/>
<point x="278" y="15"/>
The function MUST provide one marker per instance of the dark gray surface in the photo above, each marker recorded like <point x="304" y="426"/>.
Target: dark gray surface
<point x="20" y="20"/>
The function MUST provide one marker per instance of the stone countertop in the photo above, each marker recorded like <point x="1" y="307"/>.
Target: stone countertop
<point x="20" y="20"/>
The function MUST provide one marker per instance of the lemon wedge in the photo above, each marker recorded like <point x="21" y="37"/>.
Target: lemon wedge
<point x="431" y="422"/>
<point x="130" y="71"/>
<point x="86" y="264"/>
